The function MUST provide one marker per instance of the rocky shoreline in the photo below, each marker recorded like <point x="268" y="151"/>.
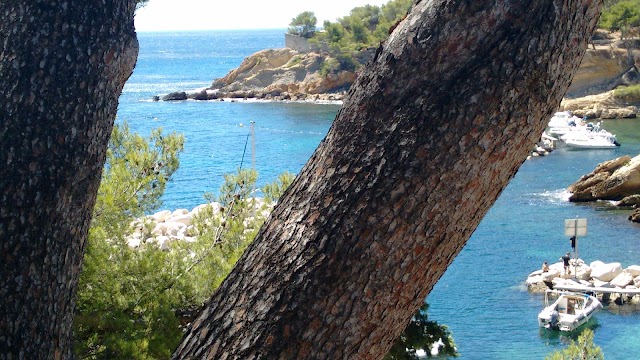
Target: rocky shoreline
<point x="616" y="180"/>
<point x="235" y="96"/>
<point x="596" y="274"/>
<point x="316" y="76"/>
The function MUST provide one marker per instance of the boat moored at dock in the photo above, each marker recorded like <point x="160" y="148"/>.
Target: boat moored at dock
<point x="569" y="311"/>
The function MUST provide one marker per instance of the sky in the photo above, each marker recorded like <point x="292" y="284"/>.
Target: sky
<point x="175" y="15"/>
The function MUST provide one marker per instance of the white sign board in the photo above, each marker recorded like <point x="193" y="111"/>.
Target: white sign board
<point x="575" y="227"/>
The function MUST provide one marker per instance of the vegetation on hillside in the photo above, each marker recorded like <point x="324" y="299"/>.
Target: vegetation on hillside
<point x="365" y="27"/>
<point x="133" y="303"/>
<point x="629" y="94"/>
<point x="620" y="15"/>
<point x="304" y="24"/>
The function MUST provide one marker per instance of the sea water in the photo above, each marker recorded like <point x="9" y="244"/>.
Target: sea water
<point x="481" y="297"/>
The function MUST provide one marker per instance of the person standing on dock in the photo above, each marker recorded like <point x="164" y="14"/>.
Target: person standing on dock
<point x="565" y="259"/>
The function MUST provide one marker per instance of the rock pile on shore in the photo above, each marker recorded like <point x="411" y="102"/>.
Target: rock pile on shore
<point x="596" y="274"/>
<point x="167" y="226"/>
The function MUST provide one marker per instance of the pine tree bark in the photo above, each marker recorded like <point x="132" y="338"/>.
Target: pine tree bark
<point x="62" y="68"/>
<point x="432" y="131"/>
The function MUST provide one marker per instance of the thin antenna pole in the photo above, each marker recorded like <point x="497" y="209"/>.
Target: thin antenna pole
<point x="253" y="147"/>
<point x="253" y="167"/>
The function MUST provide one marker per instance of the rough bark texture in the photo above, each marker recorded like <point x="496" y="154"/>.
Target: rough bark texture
<point x="432" y="131"/>
<point x="62" y="68"/>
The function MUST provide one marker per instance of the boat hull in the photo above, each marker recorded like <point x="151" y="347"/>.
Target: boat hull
<point x="568" y="312"/>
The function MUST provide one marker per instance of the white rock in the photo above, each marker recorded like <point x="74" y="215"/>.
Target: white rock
<point x="584" y="282"/>
<point x="559" y="267"/>
<point x="633" y="270"/>
<point x="179" y="212"/>
<point x="184" y="219"/>
<point x="163" y="242"/>
<point x="537" y="272"/>
<point x="636" y="281"/>
<point x="605" y="272"/>
<point x="174" y="227"/>
<point x="622" y="280"/>
<point x="214" y="206"/>
<point x="583" y="272"/>
<point x="133" y="242"/>
<point x="161" y="216"/>
<point x="550" y="275"/>
<point x="562" y="281"/>
<point x="160" y="229"/>
<point x="596" y="263"/>
<point x="598" y="283"/>
<point x="535" y="279"/>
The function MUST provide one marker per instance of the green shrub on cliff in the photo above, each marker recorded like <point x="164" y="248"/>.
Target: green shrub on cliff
<point x="120" y="313"/>
<point x="304" y="24"/>
<point x="621" y="15"/>
<point x="629" y="94"/>
<point x="365" y="27"/>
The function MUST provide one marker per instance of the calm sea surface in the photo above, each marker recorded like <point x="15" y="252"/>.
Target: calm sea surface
<point x="481" y="297"/>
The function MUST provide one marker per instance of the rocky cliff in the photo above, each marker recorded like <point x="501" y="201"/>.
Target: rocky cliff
<point x="285" y="74"/>
<point x="280" y="74"/>
<point x="617" y="179"/>
<point x="609" y="63"/>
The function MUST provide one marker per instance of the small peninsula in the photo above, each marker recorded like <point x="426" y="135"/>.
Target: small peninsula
<point x="321" y="65"/>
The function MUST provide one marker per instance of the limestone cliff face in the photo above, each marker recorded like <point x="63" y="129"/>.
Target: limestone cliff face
<point x="609" y="63"/>
<point x="277" y="72"/>
<point x="606" y="67"/>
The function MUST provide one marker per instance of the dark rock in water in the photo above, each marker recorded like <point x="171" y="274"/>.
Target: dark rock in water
<point x="175" y="96"/>
<point x="202" y="95"/>
<point x="635" y="216"/>
<point x="156" y="98"/>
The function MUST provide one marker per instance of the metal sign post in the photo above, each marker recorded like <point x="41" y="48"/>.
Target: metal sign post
<point x="573" y="228"/>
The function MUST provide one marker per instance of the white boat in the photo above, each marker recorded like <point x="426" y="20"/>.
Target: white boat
<point x="569" y="311"/>
<point x="591" y="137"/>
<point x="561" y="123"/>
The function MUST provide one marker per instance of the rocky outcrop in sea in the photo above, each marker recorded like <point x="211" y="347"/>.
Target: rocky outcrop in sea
<point x="616" y="180"/>
<point x="278" y="74"/>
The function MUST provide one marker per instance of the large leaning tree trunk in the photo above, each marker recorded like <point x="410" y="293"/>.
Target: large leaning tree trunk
<point x="432" y="131"/>
<point x="62" y="68"/>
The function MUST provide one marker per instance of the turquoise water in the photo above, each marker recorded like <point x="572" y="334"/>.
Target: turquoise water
<point x="481" y="296"/>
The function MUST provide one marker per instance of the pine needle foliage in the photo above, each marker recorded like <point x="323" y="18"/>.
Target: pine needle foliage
<point x="582" y="349"/>
<point x="134" y="303"/>
<point x="421" y="333"/>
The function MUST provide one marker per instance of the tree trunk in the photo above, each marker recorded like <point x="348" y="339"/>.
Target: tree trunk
<point x="433" y="129"/>
<point x="62" y="68"/>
